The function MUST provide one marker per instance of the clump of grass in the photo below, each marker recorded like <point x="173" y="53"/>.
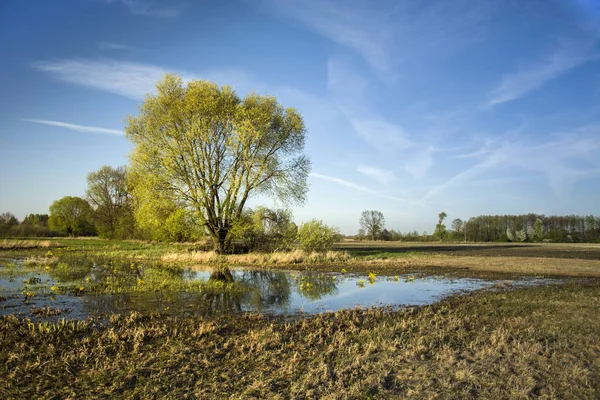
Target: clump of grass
<point x="47" y="260"/>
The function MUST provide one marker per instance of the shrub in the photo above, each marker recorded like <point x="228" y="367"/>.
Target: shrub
<point x="316" y="236"/>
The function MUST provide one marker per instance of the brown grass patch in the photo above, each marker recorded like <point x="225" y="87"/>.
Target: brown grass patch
<point x="14" y="244"/>
<point x="538" y="342"/>
<point x="280" y="258"/>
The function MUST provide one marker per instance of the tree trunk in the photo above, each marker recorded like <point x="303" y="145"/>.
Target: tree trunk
<point x="220" y="240"/>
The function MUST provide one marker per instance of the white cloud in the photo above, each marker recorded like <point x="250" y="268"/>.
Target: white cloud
<point x="130" y="79"/>
<point x="354" y="186"/>
<point x="382" y="134"/>
<point x="109" y="46"/>
<point x="389" y="34"/>
<point x="150" y="8"/>
<point x="563" y="160"/>
<point x="530" y="78"/>
<point x="384" y="177"/>
<point x="74" y="127"/>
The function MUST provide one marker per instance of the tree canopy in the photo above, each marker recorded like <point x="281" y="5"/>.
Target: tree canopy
<point x="440" y="228"/>
<point x="372" y="223"/>
<point x="108" y="195"/>
<point x="71" y="216"/>
<point x="207" y="151"/>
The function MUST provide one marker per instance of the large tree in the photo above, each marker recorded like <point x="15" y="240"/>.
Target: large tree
<point x="209" y="151"/>
<point x="372" y="223"/>
<point x="440" y="228"/>
<point x="71" y="216"/>
<point x="108" y="195"/>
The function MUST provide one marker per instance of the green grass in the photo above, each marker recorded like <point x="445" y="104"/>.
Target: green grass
<point x="526" y="343"/>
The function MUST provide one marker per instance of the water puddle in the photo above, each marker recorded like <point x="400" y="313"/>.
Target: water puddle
<point x="82" y="288"/>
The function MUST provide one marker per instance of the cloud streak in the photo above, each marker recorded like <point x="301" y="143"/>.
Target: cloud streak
<point x="354" y="186"/>
<point x="528" y="79"/>
<point x="562" y="161"/>
<point x="131" y="79"/>
<point x="150" y="8"/>
<point x="74" y="127"/>
<point x="384" y="177"/>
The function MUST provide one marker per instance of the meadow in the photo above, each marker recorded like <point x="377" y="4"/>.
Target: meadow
<point x="533" y="341"/>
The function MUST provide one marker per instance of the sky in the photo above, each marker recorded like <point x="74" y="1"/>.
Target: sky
<point x="412" y="107"/>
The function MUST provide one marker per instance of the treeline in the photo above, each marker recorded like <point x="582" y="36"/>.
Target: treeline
<point x="492" y="228"/>
<point x="533" y="228"/>
<point x="34" y="225"/>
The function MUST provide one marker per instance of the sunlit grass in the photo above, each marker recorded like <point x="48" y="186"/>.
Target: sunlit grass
<point x="535" y="342"/>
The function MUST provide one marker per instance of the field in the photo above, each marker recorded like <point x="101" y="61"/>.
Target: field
<point x="528" y="342"/>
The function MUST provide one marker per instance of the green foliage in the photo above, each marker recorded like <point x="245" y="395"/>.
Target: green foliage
<point x="109" y="197"/>
<point x="538" y="230"/>
<point x="265" y="229"/>
<point x="204" y="150"/>
<point x="372" y="223"/>
<point x="440" y="228"/>
<point x="316" y="236"/>
<point x="159" y="217"/>
<point x="71" y="216"/>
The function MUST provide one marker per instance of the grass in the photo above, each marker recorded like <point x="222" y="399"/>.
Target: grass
<point x="14" y="244"/>
<point x="285" y="258"/>
<point x="531" y="342"/>
<point x="581" y="260"/>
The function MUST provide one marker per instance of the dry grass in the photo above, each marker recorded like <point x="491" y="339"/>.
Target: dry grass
<point x="538" y="342"/>
<point x="512" y="265"/>
<point x="279" y="258"/>
<point x="14" y="244"/>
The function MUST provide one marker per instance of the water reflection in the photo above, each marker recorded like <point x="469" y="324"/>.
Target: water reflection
<point x="129" y="286"/>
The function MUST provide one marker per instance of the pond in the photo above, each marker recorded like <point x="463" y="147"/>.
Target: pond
<point x="79" y="288"/>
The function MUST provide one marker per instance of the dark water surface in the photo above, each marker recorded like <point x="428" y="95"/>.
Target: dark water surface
<point x="32" y="291"/>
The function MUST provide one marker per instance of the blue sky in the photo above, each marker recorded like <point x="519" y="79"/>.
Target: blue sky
<point x="412" y="107"/>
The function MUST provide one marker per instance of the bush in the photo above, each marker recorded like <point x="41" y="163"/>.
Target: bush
<point x="316" y="236"/>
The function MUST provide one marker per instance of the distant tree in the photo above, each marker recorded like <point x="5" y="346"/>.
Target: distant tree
<point x="205" y="150"/>
<point x="457" y="227"/>
<point x="440" y="228"/>
<point x="71" y="216"/>
<point x="538" y="230"/>
<point x="372" y="222"/>
<point x="7" y="223"/>
<point x="8" y="219"/>
<point x="385" y="235"/>
<point x="108" y="195"/>
<point x="36" y="219"/>
<point x="314" y="235"/>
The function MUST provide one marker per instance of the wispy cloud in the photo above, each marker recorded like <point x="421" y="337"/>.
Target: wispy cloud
<point x="133" y="80"/>
<point x="130" y="79"/>
<point x="354" y="186"/>
<point x="527" y="79"/>
<point x="391" y="33"/>
<point x="150" y="8"/>
<point x="74" y="127"/>
<point x="110" y="46"/>
<point x="562" y="160"/>
<point x="360" y="27"/>
<point x="382" y="134"/>
<point x="384" y="177"/>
